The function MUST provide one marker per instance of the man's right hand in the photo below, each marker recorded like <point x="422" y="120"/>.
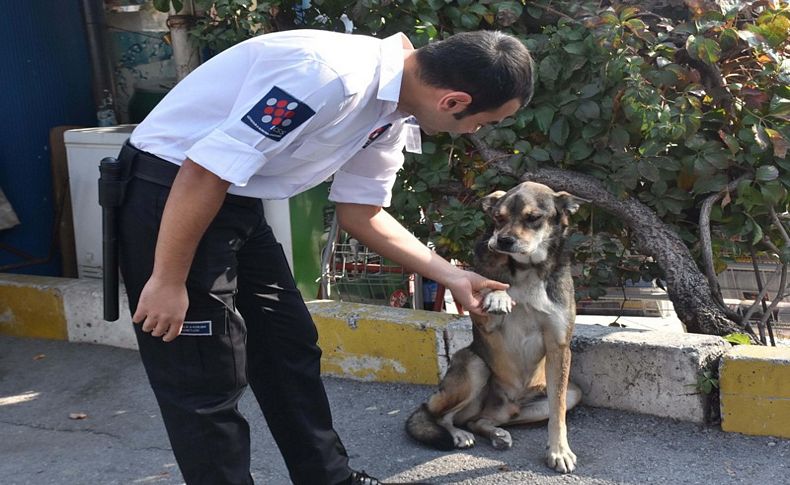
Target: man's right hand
<point x="161" y="309"/>
<point x="194" y="200"/>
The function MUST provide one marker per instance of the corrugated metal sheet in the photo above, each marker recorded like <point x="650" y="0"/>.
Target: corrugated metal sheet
<point x="45" y="82"/>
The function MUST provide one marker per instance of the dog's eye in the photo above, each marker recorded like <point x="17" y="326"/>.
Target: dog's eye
<point x="499" y="218"/>
<point x="532" y="217"/>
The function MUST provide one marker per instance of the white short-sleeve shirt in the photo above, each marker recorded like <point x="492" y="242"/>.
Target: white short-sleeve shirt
<point x="280" y="113"/>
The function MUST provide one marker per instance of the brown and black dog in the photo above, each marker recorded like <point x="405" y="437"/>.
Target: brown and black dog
<point x="517" y="368"/>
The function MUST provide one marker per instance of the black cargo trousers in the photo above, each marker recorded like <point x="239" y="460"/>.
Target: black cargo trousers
<point x="246" y="323"/>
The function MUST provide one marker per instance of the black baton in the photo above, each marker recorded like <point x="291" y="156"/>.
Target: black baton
<point x="111" y="188"/>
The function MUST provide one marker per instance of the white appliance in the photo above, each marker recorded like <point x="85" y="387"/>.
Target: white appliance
<point x="85" y="148"/>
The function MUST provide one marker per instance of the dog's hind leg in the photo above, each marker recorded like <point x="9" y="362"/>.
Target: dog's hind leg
<point x="500" y="438"/>
<point x="457" y="400"/>
<point x="537" y="409"/>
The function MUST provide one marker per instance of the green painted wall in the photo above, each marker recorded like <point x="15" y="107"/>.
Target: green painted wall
<point x="308" y="224"/>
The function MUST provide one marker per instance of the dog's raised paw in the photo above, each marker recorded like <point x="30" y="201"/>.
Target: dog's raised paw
<point x="463" y="439"/>
<point x="561" y="459"/>
<point x="497" y="302"/>
<point x="501" y="439"/>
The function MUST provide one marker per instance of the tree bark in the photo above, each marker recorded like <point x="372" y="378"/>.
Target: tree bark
<point x="687" y="287"/>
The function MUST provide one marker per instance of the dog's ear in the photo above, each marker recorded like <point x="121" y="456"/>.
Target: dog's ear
<point x="566" y="202"/>
<point x="490" y="200"/>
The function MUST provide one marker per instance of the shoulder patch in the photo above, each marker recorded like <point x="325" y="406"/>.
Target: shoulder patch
<point x="277" y="114"/>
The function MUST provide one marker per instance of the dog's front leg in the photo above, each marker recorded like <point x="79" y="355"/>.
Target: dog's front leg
<point x="558" y="364"/>
<point x="496" y="304"/>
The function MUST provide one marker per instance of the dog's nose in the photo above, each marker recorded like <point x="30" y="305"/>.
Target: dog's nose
<point x="505" y="242"/>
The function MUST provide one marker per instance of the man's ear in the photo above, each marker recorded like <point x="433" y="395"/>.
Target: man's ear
<point x="455" y="101"/>
<point x="490" y="200"/>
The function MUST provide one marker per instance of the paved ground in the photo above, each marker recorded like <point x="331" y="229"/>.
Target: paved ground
<point x="121" y="439"/>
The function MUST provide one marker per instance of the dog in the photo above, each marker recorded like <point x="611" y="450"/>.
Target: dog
<point x="517" y="368"/>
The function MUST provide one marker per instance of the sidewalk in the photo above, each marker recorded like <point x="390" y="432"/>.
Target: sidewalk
<point x="122" y="441"/>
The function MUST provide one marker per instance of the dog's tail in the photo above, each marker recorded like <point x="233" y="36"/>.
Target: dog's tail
<point x="422" y="426"/>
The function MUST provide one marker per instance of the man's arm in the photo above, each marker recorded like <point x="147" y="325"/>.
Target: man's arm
<point x="379" y="231"/>
<point x="194" y="200"/>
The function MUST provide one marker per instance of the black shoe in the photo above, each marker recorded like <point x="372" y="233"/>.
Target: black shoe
<point x="362" y="478"/>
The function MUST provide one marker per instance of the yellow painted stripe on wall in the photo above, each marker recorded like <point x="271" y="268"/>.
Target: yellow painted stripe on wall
<point x="376" y="350"/>
<point x="27" y="311"/>
<point x="755" y="390"/>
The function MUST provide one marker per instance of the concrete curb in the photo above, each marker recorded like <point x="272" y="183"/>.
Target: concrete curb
<point x="635" y="370"/>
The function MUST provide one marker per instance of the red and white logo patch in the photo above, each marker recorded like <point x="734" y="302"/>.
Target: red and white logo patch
<point x="277" y="114"/>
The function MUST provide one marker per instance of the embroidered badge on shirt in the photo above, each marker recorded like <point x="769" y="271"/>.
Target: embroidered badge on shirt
<point x="277" y="114"/>
<point x="375" y="134"/>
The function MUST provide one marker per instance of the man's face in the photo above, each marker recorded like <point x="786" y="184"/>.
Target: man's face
<point x="443" y="121"/>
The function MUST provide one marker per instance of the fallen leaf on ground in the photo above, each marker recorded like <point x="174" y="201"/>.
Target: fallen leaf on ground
<point x="78" y="416"/>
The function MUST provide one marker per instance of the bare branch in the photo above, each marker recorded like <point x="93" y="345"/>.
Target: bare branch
<point x="779" y="225"/>
<point x="775" y="302"/>
<point x="705" y="237"/>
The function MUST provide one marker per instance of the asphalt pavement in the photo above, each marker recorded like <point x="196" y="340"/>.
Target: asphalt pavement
<point x="84" y="414"/>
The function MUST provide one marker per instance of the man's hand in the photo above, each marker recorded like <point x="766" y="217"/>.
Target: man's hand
<point x="468" y="289"/>
<point x="161" y="309"/>
<point x="194" y="200"/>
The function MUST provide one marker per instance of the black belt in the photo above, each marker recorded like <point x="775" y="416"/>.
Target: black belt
<point x="151" y="168"/>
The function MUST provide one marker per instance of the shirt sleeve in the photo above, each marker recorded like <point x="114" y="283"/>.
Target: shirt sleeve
<point x="278" y="100"/>
<point x="368" y="177"/>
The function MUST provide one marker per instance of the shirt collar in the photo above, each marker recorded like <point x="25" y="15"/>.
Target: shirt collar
<point x="391" y="73"/>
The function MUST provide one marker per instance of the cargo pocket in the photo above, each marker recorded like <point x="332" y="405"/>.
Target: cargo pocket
<point x="213" y="347"/>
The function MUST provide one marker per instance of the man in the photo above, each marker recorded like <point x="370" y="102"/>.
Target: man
<point x="269" y="118"/>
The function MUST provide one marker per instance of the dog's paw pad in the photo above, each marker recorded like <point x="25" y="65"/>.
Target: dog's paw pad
<point x="497" y="302"/>
<point x="463" y="439"/>
<point x="562" y="460"/>
<point x="501" y="440"/>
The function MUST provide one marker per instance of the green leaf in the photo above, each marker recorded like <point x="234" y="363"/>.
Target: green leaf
<point x="540" y="154"/>
<point x="766" y="173"/>
<point x="429" y="148"/>
<point x="706" y="185"/>
<point x="522" y="146"/>
<point x="162" y="5"/>
<point x="579" y="150"/>
<point x="738" y="339"/>
<point x="730" y="141"/>
<point x="549" y="68"/>
<point x="544" y="116"/>
<point x="648" y="171"/>
<point x="718" y="158"/>
<point x="728" y="39"/>
<point x="703" y="49"/>
<point x="773" y="192"/>
<point x="588" y="111"/>
<point x="760" y="136"/>
<point x="578" y="48"/>
<point x="589" y="90"/>
<point x="559" y="131"/>
<point x="618" y="138"/>
<point x="757" y="234"/>
<point x="652" y="147"/>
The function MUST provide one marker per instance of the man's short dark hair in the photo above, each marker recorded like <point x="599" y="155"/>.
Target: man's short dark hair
<point x="490" y="66"/>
